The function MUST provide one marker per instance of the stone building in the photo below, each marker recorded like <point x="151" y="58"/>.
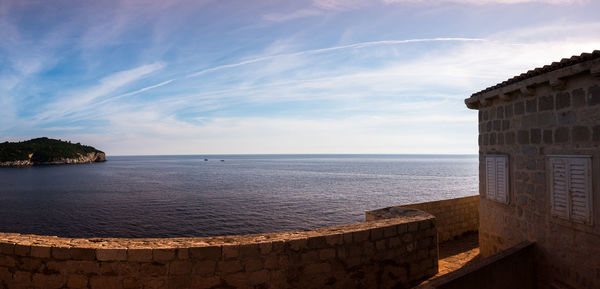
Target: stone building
<point x="539" y="169"/>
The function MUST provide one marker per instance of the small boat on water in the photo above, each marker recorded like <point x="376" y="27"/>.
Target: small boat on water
<point x="206" y="160"/>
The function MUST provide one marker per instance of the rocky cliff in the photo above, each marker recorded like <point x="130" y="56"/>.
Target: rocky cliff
<point x="45" y="151"/>
<point x="82" y="159"/>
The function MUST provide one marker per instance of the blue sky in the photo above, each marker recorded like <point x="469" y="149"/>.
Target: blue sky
<point x="322" y="76"/>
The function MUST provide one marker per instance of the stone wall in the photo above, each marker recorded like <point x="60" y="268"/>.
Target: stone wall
<point x="511" y="268"/>
<point x="454" y="217"/>
<point x="557" y="113"/>
<point x="388" y="253"/>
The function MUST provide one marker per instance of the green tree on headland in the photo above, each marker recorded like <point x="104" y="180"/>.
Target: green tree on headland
<point x="42" y="149"/>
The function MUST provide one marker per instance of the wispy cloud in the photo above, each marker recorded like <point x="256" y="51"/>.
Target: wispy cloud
<point x="78" y="100"/>
<point x="282" y="17"/>
<point x="328" y="49"/>
<point x="484" y="2"/>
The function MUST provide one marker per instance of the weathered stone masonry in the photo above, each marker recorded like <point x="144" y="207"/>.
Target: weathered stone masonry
<point x="385" y="253"/>
<point x="454" y="217"/>
<point x="554" y="110"/>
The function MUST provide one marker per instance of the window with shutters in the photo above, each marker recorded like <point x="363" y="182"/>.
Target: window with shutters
<point x="496" y="178"/>
<point x="571" y="188"/>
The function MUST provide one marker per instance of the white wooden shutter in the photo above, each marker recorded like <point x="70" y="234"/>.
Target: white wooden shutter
<point x="501" y="179"/>
<point x="490" y="177"/>
<point x="580" y="189"/>
<point x="560" y="188"/>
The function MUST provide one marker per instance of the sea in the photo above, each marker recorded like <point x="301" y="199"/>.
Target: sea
<point x="194" y="196"/>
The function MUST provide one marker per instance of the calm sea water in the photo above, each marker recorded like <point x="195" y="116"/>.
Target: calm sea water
<point x="175" y="196"/>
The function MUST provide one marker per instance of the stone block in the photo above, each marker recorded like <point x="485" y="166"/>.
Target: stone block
<point x="6" y="248"/>
<point x="529" y="121"/>
<point x="132" y="283"/>
<point x="546" y="102"/>
<point x="22" y="250"/>
<point x="183" y="253"/>
<point x="205" y="282"/>
<point x="561" y="135"/>
<point x="316" y="269"/>
<point x="519" y="108"/>
<point x="205" y="268"/>
<point x="596" y="133"/>
<point x="523" y="137"/>
<point x="309" y="257"/>
<point x="265" y="248"/>
<point x="150" y="269"/>
<point x="82" y="253"/>
<point x="139" y="255"/>
<point x="154" y="283"/>
<point x="500" y="139"/>
<point x="329" y="253"/>
<point x="531" y="105"/>
<point x="500" y="112"/>
<point x="508" y="110"/>
<point x="61" y="253"/>
<point x="335" y="239"/>
<point x="252" y="265"/>
<point x="413" y="226"/>
<point x="163" y="255"/>
<point x="30" y="264"/>
<point x="505" y="125"/>
<point x="40" y="252"/>
<point x="578" y="98"/>
<point x="299" y="244"/>
<point x="580" y="134"/>
<point x="119" y="254"/>
<point x="546" y="119"/>
<point x="492" y="138"/>
<point x="594" y="95"/>
<point x="536" y="136"/>
<point x="376" y="234"/>
<point x="563" y="100"/>
<point x="497" y="126"/>
<point x="509" y="138"/>
<point x="249" y="251"/>
<point x="316" y="242"/>
<point x="206" y="253"/>
<point x="485" y="115"/>
<point x="239" y="280"/>
<point x="489" y="126"/>
<point x="77" y="281"/>
<point x="49" y="281"/>
<point x="230" y="251"/>
<point x="258" y="277"/>
<point x="180" y="267"/>
<point x="547" y="136"/>
<point x="566" y="118"/>
<point x="7" y="261"/>
<point x="228" y="267"/>
<point x="101" y="282"/>
<point x="361" y="236"/>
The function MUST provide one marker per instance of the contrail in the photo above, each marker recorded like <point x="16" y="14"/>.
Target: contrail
<point x="328" y="49"/>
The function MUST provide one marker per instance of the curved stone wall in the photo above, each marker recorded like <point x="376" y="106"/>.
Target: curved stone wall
<point x="454" y="217"/>
<point x="396" y="252"/>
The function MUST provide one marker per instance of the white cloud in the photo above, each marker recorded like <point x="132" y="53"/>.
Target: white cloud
<point x="329" y="49"/>
<point x="484" y="2"/>
<point x="81" y="99"/>
<point x="282" y="17"/>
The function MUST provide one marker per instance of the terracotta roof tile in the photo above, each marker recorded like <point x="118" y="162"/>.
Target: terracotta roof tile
<point x="544" y="69"/>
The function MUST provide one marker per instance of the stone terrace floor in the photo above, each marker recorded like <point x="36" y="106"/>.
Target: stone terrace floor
<point x="456" y="254"/>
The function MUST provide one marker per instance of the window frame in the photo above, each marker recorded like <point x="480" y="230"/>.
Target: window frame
<point x="589" y="186"/>
<point x="504" y="197"/>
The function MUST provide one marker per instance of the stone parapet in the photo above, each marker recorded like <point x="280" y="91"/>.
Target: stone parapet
<point x="386" y="253"/>
<point x="454" y="217"/>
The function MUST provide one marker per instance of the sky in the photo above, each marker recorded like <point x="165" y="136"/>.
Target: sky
<point x="271" y="77"/>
